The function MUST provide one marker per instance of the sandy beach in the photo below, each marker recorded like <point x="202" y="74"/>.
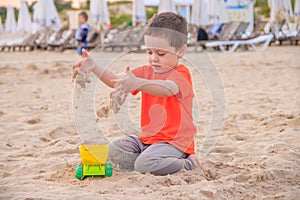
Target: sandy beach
<point x="257" y="155"/>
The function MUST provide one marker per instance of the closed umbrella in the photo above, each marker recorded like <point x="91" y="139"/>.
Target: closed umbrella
<point x="297" y="9"/>
<point x="273" y="9"/>
<point x="45" y="14"/>
<point x="166" y="6"/>
<point x="99" y="11"/>
<point x="1" y="26"/>
<point x="24" y="21"/>
<point x="138" y="12"/>
<point x="199" y="12"/>
<point x="288" y="7"/>
<point x="276" y="6"/>
<point x="10" y="23"/>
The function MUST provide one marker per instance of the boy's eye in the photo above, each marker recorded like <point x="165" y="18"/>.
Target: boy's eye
<point x="158" y="53"/>
<point x="161" y="54"/>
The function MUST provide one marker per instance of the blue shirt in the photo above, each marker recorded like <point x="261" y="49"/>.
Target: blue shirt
<point x="82" y="32"/>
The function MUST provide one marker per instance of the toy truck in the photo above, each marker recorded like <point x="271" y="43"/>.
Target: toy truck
<point x="93" y="161"/>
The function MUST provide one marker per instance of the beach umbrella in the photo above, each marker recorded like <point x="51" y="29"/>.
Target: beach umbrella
<point x="166" y="6"/>
<point x="297" y="9"/>
<point x="10" y="23"/>
<point x="45" y="14"/>
<point x="1" y="26"/>
<point x="99" y="11"/>
<point x="138" y="12"/>
<point x="273" y="9"/>
<point x="199" y="12"/>
<point x="288" y="7"/>
<point x="216" y="11"/>
<point x="276" y="6"/>
<point x="24" y="21"/>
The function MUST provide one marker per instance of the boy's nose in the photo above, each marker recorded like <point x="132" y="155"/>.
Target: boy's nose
<point x="154" y="57"/>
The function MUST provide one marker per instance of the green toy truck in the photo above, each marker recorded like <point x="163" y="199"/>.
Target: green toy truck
<point x="93" y="161"/>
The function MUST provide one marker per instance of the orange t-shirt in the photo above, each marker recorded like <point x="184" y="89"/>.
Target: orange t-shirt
<point x="168" y="119"/>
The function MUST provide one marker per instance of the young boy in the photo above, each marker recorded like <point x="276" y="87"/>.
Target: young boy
<point x="82" y="32"/>
<point x="166" y="142"/>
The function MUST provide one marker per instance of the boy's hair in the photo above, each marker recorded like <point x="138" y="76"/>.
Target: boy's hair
<point x="170" y="25"/>
<point x="84" y="14"/>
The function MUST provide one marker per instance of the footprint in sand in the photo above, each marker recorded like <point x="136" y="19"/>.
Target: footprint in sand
<point x="242" y="178"/>
<point x="223" y="150"/>
<point x="6" y="69"/>
<point x="2" y="113"/>
<point x="291" y="123"/>
<point x="31" y="66"/>
<point x="33" y="121"/>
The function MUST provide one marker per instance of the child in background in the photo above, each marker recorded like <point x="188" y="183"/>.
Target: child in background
<point x="166" y="142"/>
<point x="82" y="32"/>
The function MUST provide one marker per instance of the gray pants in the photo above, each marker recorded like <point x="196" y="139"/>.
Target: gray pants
<point x="129" y="153"/>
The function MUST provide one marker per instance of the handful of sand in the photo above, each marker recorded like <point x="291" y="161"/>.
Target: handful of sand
<point x="114" y="104"/>
<point x="116" y="100"/>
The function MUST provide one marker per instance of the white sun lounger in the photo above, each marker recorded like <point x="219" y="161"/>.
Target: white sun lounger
<point x="234" y="44"/>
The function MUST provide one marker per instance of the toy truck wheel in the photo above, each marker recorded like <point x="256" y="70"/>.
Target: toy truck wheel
<point x="79" y="172"/>
<point x="108" y="169"/>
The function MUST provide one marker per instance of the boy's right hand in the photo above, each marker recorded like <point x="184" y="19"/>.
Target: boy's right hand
<point x="86" y="64"/>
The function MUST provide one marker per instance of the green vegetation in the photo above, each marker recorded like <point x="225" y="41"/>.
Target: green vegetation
<point x="119" y="2"/>
<point x="61" y="6"/>
<point x="262" y="9"/>
<point x="150" y="11"/>
<point x="121" y="20"/>
<point x="3" y="14"/>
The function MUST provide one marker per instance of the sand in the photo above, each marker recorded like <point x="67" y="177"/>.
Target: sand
<point x="256" y="157"/>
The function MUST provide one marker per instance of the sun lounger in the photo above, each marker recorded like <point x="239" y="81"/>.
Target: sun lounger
<point x="64" y="39"/>
<point x="281" y="35"/>
<point x="227" y="32"/>
<point x="296" y="38"/>
<point x="129" y="39"/>
<point x="259" y="29"/>
<point x="7" y="45"/>
<point x="28" y="43"/>
<point x="241" y="31"/>
<point x="94" y="40"/>
<point x="51" y="39"/>
<point x="43" y="37"/>
<point x="20" y="44"/>
<point x="234" y="44"/>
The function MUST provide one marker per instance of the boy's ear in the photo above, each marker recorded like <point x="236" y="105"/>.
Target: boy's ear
<point x="182" y="51"/>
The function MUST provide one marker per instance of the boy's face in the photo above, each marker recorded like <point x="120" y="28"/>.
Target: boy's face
<point x="161" y="56"/>
<point x="81" y="19"/>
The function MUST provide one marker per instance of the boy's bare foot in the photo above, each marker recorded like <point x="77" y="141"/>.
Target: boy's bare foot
<point x="194" y="159"/>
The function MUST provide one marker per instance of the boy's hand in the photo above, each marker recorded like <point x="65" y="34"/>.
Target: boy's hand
<point x="127" y="83"/>
<point x="86" y="65"/>
<point x="117" y="92"/>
